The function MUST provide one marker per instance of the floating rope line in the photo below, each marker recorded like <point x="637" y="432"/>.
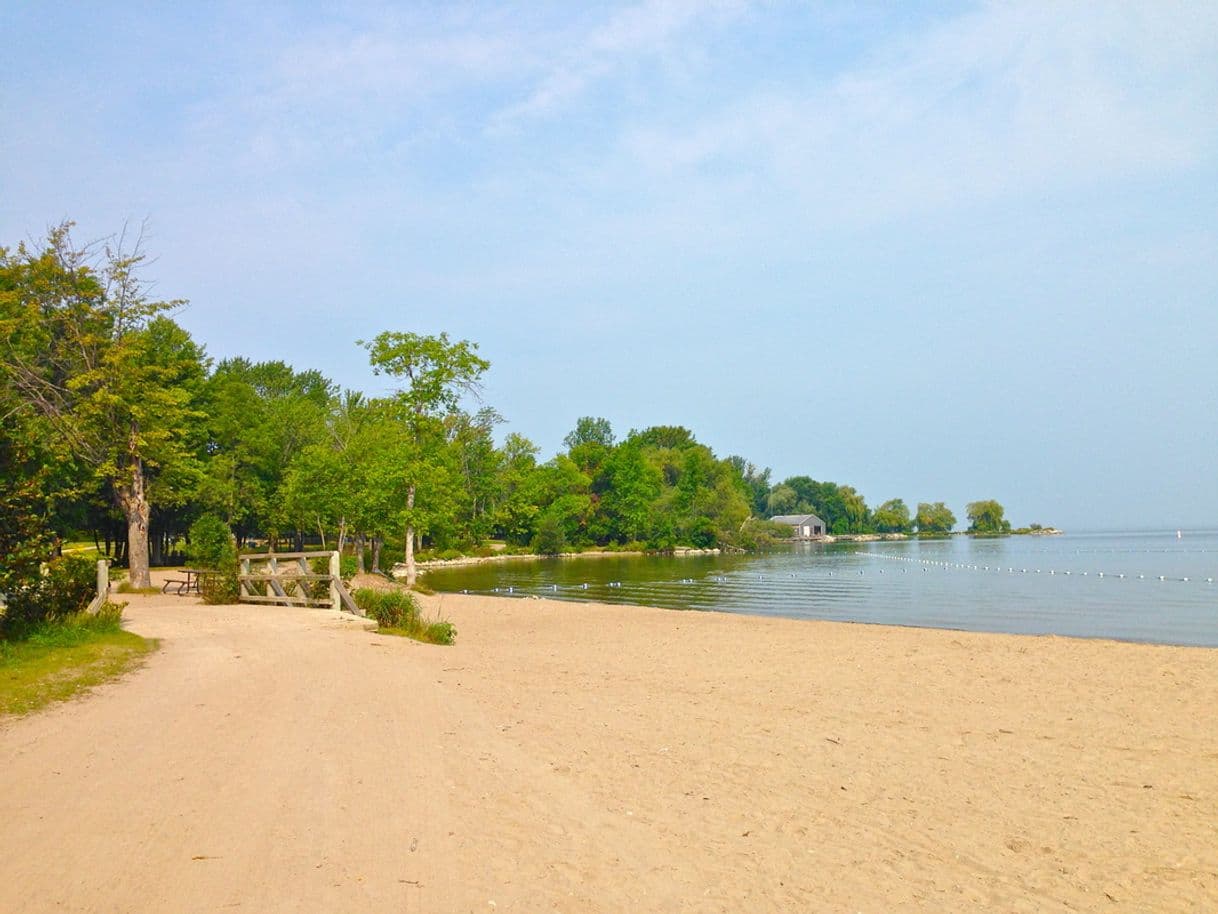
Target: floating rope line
<point x="964" y="566"/>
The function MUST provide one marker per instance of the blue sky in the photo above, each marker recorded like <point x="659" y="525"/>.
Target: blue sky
<point x="942" y="251"/>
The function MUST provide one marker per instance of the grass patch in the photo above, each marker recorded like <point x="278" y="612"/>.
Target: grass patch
<point x="128" y="587"/>
<point x="397" y="613"/>
<point x="61" y="659"/>
<point x="441" y="632"/>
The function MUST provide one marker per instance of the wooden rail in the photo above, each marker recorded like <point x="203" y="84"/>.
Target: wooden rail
<point x="290" y="586"/>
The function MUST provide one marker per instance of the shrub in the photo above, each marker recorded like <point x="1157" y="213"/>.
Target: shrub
<point x="550" y="538"/>
<point x="484" y="551"/>
<point x="220" y="588"/>
<point x="67" y="587"/>
<point x="391" y="609"/>
<point x="449" y="554"/>
<point x="442" y="632"/>
<point x="397" y="613"/>
<point x="211" y="543"/>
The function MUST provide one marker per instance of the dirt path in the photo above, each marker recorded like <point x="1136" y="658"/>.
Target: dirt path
<point x="597" y="759"/>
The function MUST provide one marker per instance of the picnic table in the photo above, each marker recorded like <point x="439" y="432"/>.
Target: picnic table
<point x="188" y="583"/>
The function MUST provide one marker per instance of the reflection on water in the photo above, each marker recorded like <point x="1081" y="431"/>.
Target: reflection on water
<point x="1141" y="587"/>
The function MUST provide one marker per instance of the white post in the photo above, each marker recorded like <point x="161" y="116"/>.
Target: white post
<point x="103" y="587"/>
<point x="335" y="577"/>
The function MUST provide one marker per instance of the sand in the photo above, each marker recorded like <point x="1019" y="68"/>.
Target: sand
<point x="584" y="758"/>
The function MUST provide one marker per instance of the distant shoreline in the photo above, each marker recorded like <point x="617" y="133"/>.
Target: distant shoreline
<point x="466" y="560"/>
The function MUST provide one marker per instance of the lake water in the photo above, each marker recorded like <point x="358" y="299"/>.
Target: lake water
<point x="1130" y="586"/>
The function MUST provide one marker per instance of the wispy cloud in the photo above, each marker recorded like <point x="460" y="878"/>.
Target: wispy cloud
<point x="1008" y="99"/>
<point x="648" y="30"/>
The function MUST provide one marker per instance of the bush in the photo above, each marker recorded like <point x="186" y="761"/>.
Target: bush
<point x="391" y="609"/>
<point x="397" y="612"/>
<point x="484" y="551"/>
<point x="211" y="544"/>
<point x="220" y="588"/>
<point x="67" y="587"/>
<point x="449" y="554"/>
<point x="550" y="538"/>
<point x="442" y="632"/>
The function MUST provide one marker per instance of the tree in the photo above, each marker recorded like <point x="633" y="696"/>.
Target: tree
<point x="756" y="483"/>
<point x="82" y="356"/>
<point x="892" y="517"/>
<point x="934" y="518"/>
<point x="589" y="430"/>
<point x="986" y="517"/>
<point x="436" y="373"/>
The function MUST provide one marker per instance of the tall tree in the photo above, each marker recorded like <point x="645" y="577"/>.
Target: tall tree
<point x="436" y="373"/>
<point x="934" y="518"/>
<point x="892" y="517"/>
<point x="986" y="517"/>
<point x="82" y="354"/>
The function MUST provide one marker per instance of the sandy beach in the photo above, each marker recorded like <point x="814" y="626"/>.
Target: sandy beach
<point x="586" y="758"/>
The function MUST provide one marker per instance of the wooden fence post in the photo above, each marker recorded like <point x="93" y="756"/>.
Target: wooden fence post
<point x="335" y="578"/>
<point x="103" y="588"/>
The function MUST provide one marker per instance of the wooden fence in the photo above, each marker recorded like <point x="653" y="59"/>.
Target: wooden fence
<point x="287" y="579"/>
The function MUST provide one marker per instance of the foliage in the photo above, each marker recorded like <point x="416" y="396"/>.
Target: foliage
<point x="212" y="547"/>
<point x="435" y="373"/>
<point x="397" y="613"/>
<point x="550" y="539"/>
<point x="67" y="587"/>
<point x="757" y="533"/>
<point x="25" y="540"/>
<point x="934" y="518"/>
<point x="94" y="363"/>
<point x="986" y="517"/>
<point x="60" y="658"/>
<point x="220" y="588"/>
<point x="390" y="608"/>
<point x="590" y="430"/>
<point x="107" y="404"/>
<point x="892" y="517"/>
<point x="211" y="543"/>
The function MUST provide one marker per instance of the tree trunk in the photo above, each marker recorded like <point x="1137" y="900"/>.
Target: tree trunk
<point x="359" y="553"/>
<point x="410" y="569"/>
<point x="376" y="555"/>
<point x="342" y="534"/>
<point x="133" y="499"/>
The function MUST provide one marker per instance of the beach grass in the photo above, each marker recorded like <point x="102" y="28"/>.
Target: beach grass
<point x="64" y="658"/>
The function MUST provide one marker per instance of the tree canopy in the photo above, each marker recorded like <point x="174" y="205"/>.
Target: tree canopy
<point x="114" y="421"/>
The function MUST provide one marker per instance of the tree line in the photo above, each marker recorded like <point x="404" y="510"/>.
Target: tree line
<point x="114" y="421"/>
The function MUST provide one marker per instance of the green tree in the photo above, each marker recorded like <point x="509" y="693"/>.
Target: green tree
<point x="590" y="430"/>
<point x="934" y="518"/>
<point x="82" y="356"/>
<point x="516" y="507"/>
<point x="436" y="372"/>
<point x="782" y="500"/>
<point x="892" y="517"/>
<point x="986" y="517"/>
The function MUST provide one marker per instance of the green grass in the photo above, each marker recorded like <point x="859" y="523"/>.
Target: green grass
<point x="397" y="613"/>
<point x="421" y="630"/>
<point x="127" y="587"/>
<point x="64" y="658"/>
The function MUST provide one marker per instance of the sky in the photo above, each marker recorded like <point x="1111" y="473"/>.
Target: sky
<point x="937" y="251"/>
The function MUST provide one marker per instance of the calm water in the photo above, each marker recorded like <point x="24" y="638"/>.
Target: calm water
<point x="1138" y="587"/>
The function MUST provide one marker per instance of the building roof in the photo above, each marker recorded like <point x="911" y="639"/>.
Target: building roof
<point x="799" y="520"/>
